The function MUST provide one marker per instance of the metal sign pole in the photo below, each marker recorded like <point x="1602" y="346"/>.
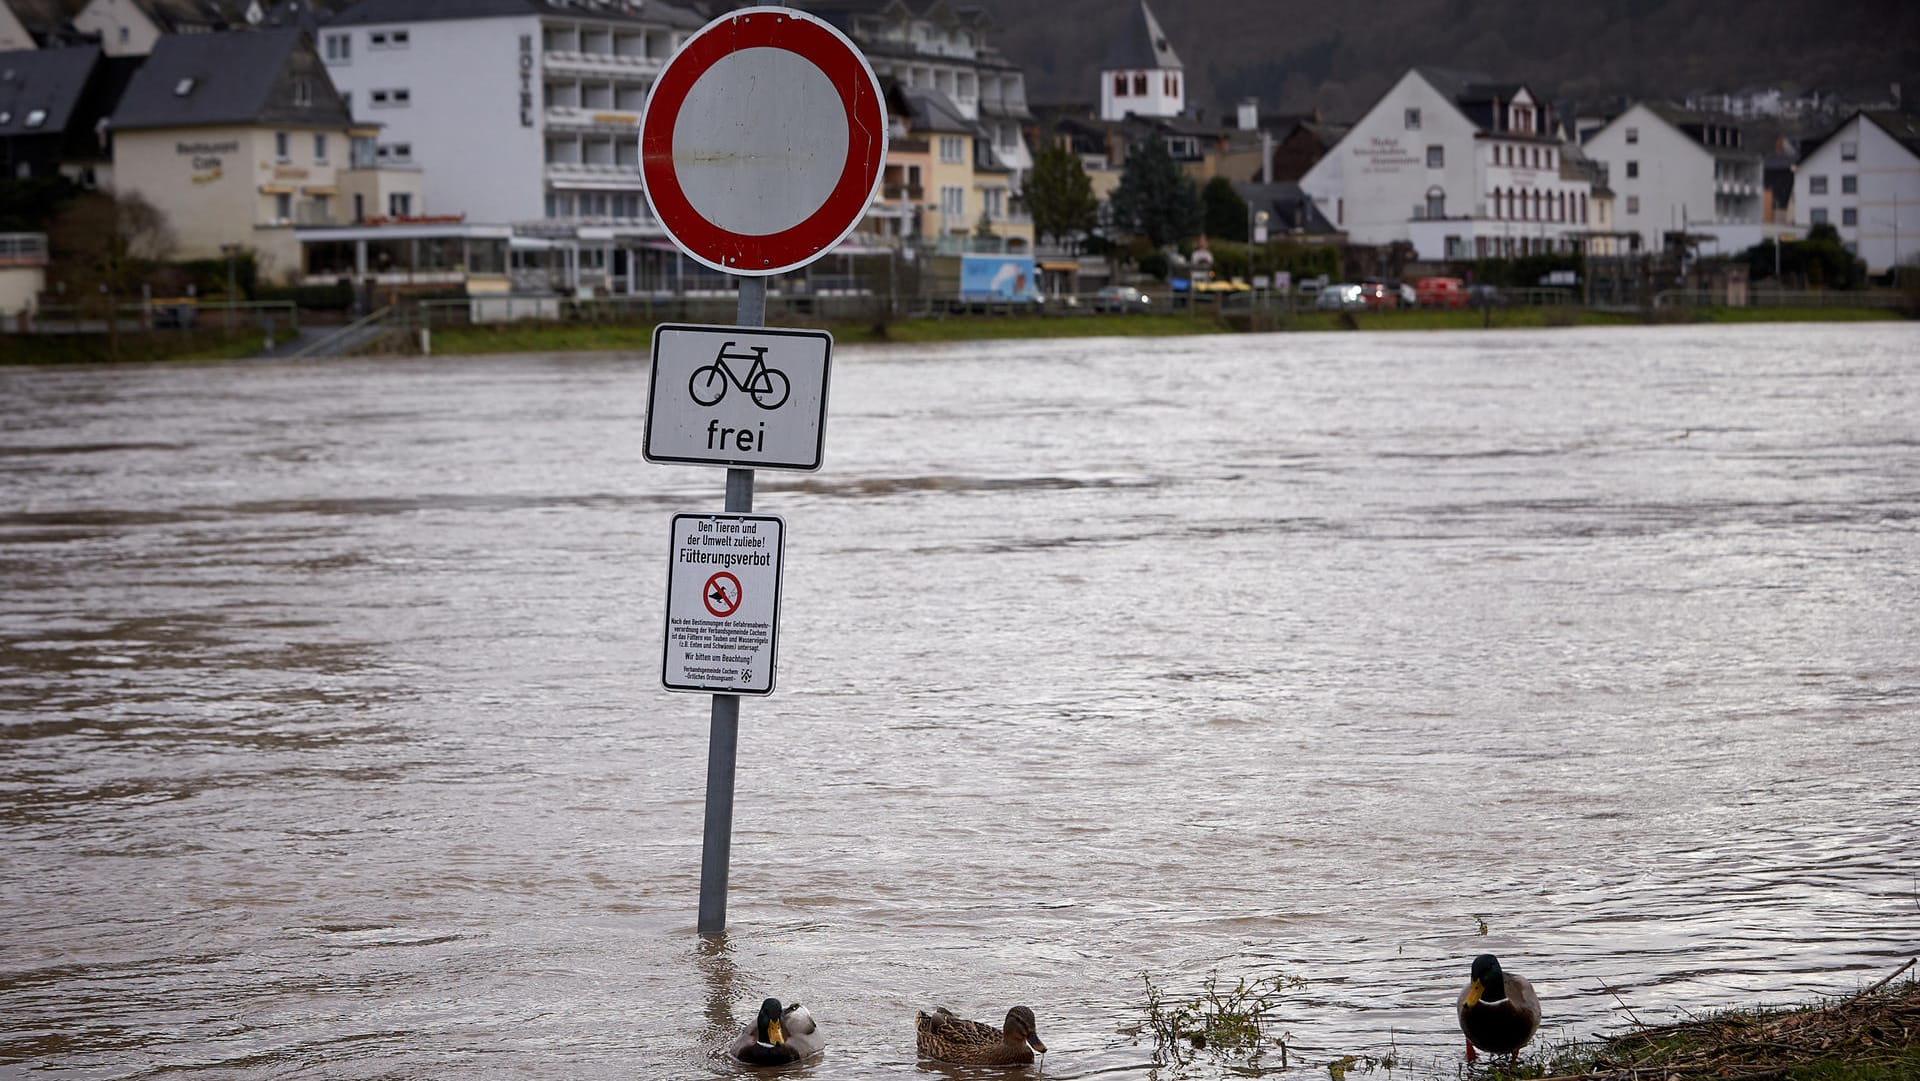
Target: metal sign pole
<point x="724" y="740"/>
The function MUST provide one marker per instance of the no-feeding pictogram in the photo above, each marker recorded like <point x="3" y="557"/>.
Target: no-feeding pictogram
<point x="723" y="594"/>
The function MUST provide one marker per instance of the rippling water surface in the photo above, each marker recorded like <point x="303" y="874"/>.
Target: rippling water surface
<point x="332" y="742"/>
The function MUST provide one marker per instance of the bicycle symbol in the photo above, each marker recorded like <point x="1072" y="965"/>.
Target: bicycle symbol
<point x="768" y="387"/>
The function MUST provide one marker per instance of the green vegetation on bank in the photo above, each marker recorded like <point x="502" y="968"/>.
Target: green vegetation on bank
<point x="131" y="347"/>
<point x="213" y="344"/>
<point x="1873" y="1035"/>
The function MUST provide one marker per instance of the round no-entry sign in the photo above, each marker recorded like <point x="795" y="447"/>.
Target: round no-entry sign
<point x="763" y="141"/>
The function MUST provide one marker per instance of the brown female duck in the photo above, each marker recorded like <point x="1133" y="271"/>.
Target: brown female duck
<point x="1498" y="1011"/>
<point x="942" y="1036"/>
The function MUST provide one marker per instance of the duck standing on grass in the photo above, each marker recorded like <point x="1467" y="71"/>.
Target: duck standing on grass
<point x="777" y="1036"/>
<point x="1498" y="1011"/>
<point x="945" y="1038"/>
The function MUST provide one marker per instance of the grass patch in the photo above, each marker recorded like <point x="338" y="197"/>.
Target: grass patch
<point x="1870" y="1036"/>
<point x="1797" y="315"/>
<point x="1229" y="1025"/>
<point x="200" y="344"/>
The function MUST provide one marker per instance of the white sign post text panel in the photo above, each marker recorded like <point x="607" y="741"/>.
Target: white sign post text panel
<point x="723" y="603"/>
<point x="741" y="397"/>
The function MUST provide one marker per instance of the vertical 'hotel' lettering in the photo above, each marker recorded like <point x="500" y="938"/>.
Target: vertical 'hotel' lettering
<point x="526" y="80"/>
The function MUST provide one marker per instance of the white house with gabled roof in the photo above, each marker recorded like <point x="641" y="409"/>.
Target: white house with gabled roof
<point x="1863" y="178"/>
<point x="1458" y="166"/>
<point x="1676" y="173"/>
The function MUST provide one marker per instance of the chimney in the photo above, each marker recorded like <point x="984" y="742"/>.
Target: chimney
<point x="1249" y="114"/>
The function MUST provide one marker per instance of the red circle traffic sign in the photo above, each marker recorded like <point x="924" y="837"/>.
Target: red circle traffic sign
<point x="763" y="141"/>
<point x="720" y="600"/>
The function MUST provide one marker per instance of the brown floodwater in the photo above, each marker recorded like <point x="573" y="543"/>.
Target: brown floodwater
<point x="333" y="741"/>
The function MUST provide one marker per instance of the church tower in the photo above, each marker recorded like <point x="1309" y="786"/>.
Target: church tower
<point x="1142" y="76"/>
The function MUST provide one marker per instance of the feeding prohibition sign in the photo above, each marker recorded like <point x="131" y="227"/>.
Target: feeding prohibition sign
<point x="763" y="141"/>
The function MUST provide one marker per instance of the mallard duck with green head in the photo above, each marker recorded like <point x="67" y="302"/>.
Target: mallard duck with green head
<point x="1498" y="1011"/>
<point x="776" y="1036"/>
<point x="945" y="1038"/>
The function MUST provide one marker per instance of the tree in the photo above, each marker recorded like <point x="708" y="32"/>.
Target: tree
<point x="1059" y="194"/>
<point x="1155" y="199"/>
<point x="1226" y="212"/>
<point x="104" y="246"/>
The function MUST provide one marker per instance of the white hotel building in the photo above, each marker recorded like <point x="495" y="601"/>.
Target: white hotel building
<point x="1863" y="179"/>
<point x="1459" y="167"/>
<point x="521" y="112"/>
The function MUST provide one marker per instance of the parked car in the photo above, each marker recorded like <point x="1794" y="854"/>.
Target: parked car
<point x="1379" y="295"/>
<point x="1342" y="296"/>
<point x="1440" y="293"/>
<point x="1121" y="298"/>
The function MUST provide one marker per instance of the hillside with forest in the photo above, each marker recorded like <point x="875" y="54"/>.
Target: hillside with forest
<point x="1297" y="54"/>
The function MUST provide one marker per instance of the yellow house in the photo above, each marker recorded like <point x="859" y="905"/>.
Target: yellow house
<point x="238" y="138"/>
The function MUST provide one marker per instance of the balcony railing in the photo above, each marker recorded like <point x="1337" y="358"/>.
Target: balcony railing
<point x="913" y="192"/>
<point x="616" y="174"/>
<point x="593" y="117"/>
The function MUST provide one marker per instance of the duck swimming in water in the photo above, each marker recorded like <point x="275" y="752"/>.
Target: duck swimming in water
<point x="1498" y="1011"/>
<point x="776" y="1036"/>
<point x="942" y="1036"/>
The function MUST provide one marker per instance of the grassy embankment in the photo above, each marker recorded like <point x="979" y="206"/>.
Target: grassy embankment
<point x="1870" y="1036"/>
<point x="558" y="338"/>
<point x="205" y="344"/>
<point x="133" y="347"/>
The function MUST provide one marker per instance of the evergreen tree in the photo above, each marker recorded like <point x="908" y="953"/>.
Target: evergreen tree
<point x="1226" y="212"/>
<point x="1059" y="194"/>
<point x="1155" y="199"/>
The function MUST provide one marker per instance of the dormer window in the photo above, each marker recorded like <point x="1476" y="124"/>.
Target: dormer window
<point x="184" y="87"/>
<point x="36" y="117"/>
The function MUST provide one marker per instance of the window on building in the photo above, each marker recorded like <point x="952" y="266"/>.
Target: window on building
<point x="952" y="149"/>
<point x="346" y="101"/>
<point x="1436" y="203"/>
<point x="953" y="207"/>
<point x="1413" y="120"/>
<point x="377" y="97"/>
<point x="1168" y="85"/>
<point x="283" y="146"/>
<point x="1817" y="216"/>
<point x="1633" y="169"/>
<point x="1849" y="151"/>
<point x="1849" y="185"/>
<point x="339" y="48"/>
<point x="377" y="39"/>
<point x="283" y="206"/>
<point x="1633" y="136"/>
<point x="398" y="39"/>
<point x="1849" y="216"/>
<point x="1816" y="185"/>
<point x="1119" y="86"/>
<point x="399" y="204"/>
<point x="1436" y="157"/>
<point x="36" y="117"/>
<point x="1140" y="84"/>
<point x="319" y="149"/>
<point x="1633" y="204"/>
<point x="990" y="202"/>
<point x="402" y="97"/>
<point x="302" y="93"/>
<point x="184" y="87"/>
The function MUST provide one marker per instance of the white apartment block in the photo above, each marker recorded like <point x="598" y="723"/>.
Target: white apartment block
<point x="1864" y="179"/>
<point x="521" y="112"/>
<point x="1459" y="167"/>
<point x="1676" y="173"/>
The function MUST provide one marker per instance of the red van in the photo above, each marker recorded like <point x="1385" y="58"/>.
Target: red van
<point x="1441" y="292"/>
